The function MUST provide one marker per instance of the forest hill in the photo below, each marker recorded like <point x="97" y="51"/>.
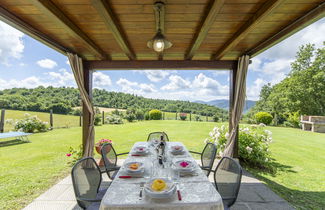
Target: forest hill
<point x="62" y="100"/>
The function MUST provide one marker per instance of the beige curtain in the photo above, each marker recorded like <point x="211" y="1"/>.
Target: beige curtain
<point x="239" y="102"/>
<point x="78" y="72"/>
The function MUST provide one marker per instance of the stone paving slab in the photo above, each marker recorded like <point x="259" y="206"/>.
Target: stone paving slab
<point x="253" y="195"/>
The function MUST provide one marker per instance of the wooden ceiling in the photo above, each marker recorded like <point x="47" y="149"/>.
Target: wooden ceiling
<point x="198" y="29"/>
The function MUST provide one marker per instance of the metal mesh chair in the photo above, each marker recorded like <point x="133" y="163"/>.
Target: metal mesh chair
<point x="227" y="178"/>
<point x="86" y="180"/>
<point x="110" y="160"/>
<point x="207" y="157"/>
<point x="157" y="136"/>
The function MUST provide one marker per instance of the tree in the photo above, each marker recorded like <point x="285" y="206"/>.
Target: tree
<point x="302" y="92"/>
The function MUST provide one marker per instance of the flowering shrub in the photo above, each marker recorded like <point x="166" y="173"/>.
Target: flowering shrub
<point x="103" y="141"/>
<point x="114" y="119"/>
<point x="74" y="155"/>
<point x="31" y="124"/>
<point x="253" y="143"/>
<point x="182" y="116"/>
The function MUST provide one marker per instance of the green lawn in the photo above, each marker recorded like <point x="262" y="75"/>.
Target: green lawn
<point x="27" y="170"/>
<point x="59" y="120"/>
<point x="300" y="157"/>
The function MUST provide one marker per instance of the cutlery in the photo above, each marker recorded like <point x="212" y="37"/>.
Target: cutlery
<point x="128" y="177"/>
<point x="141" y="190"/>
<point x="178" y="192"/>
<point x="136" y="155"/>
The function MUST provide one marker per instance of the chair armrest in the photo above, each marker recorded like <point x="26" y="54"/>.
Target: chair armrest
<point x="89" y="200"/>
<point x="206" y="168"/>
<point x="125" y="153"/>
<point x="198" y="153"/>
<point x="114" y="168"/>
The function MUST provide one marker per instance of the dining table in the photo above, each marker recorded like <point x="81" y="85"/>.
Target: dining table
<point x="194" y="191"/>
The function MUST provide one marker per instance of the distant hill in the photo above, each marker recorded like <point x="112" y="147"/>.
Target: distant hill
<point x="62" y="100"/>
<point x="224" y="104"/>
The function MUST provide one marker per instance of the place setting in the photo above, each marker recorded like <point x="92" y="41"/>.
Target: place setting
<point x="140" y="151"/>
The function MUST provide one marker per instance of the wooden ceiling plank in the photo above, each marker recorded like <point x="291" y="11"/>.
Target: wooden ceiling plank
<point x="266" y="9"/>
<point x="309" y="18"/>
<point x="111" y="22"/>
<point x="160" y="64"/>
<point x="56" y="15"/>
<point x="204" y="28"/>
<point x="26" y="28"/>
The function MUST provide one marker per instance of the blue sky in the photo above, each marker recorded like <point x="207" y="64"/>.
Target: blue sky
<point x="25" y="62"/>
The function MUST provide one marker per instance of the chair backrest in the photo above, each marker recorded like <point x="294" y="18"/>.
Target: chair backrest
<point x="157" y="136"/>
<point x="110" y="158"/>
<point x="86" y="179"/>
<point x="208" y="156"/>
<point x="227" y="178"/>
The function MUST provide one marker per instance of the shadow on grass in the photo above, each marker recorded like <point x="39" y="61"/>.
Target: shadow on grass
<point x="299" y="199"/>
<point x="272" y="168"/>
<point x="12" y="142"/>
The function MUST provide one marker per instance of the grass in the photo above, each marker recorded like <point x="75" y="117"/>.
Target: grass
<point x="59" y="120"/>
<point x="300" y="163"/>
<point x="29" y="169"/>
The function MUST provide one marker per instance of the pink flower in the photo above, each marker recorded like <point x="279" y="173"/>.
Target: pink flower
<point x="103" y="141"/>
<point x="68" y="154"/>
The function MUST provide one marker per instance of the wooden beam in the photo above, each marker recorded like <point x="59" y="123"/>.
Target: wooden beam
<point x="204" y="28"/>
<point x="110" y="20"/>
<point x="302" y="22"/>
<point x="266" y="9"/>
<point x="26" y="28"/>
<point x="56" y="15"/>
<point x="160" y="64"/>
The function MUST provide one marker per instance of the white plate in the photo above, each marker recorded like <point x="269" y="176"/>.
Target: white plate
<point x="189" y="168"/>
<point x="166" y="193"/>
<point x="140" y="169"/>
<point x="140" y="150"/>
<point x="177" y="149"/>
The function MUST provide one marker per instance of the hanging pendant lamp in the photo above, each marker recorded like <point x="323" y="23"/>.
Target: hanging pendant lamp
<point x="159" y="43"/>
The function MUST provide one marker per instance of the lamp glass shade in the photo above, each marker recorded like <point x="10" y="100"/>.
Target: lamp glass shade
<point x="158" y="45"/>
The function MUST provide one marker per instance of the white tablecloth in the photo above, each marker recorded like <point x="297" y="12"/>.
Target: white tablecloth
<point x="197" y="192"/>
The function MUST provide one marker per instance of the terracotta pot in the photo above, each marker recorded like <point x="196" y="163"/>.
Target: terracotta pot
<point x="98" y="150"/>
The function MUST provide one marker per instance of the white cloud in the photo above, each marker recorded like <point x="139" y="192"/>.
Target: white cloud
<point x="287" y="49"/>
<point x="67" y="62"/>
<point x="61" y="78"/>
<point x="101" y="80"/>
<point x="155" y="75"/>
<point x="135" y="88"/>
<point x="47" y="63"/>
<point x="11" y="43"/>
<point x="29" y="82"/>
<point x="204" y="82"/>
<point x="253" y="91"/>
<point x="176" y="82"/>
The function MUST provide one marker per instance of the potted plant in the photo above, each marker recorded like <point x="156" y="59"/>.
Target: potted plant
<point x="98" y="147"/>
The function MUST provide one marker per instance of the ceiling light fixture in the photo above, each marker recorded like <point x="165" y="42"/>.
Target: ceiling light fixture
<point x="159" y="43"/>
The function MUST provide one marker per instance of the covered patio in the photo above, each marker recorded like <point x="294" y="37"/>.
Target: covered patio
<point x="124" y="34"/>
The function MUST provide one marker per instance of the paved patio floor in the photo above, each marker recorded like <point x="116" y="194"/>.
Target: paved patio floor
<point x="253" y="195"/>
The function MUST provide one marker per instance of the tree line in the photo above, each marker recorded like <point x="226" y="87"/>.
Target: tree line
<point x="62" y="100"/>
<point x="302" y="92"/>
